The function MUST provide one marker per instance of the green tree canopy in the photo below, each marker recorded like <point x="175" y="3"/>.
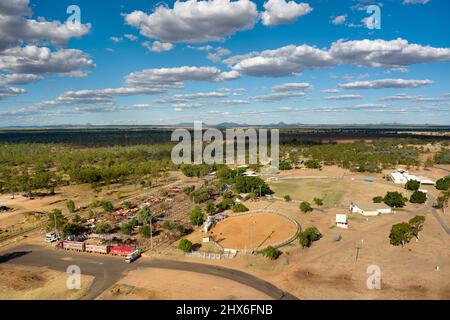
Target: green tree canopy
<point x="251" y="184"/>
<point x="225" y="204"/>
<point x="318" y="201"/>
<point x="185" y="245"/>
<point x="196" y="217"/>
<point x="107" y="206"/>
<point x="71" y="229"/>
<point x="395" y="199"/>
<point x="413" y="185"/>
<point x="56" y="220"/>
<point x="442" y="200"/>
<point x="416" y="224"/>
<point x="307" y="237"/>
<point x="418" y="197"/>
<point x="271" y="253"/>
<point x="443" y="183"/>
<point x="285" y="165"/>
<point x="71" y="206"/>
<point x="210" y="207"/>
<point x="102" y="227"/>
<point x="312" y="164"/>
<point x="145" y="231"/>
<point x="377" y="199"/>
<point x="305" y="207"/>
<point x="126" y="229"/>
<point x="401" y="234"/>
<point x="239" y="207"/>
<point x="144" y="215"/>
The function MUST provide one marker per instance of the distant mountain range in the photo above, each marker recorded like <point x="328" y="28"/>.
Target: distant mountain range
<point x="235" y="124"/>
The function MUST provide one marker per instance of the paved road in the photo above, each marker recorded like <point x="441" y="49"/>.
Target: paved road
<point x="441" y="221"/>
<point x="107" y="270"/>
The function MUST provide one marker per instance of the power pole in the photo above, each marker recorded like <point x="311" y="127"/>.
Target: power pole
<point x="151" y="234"/>
<point x="56" y="231"/>
<point x="151" y="237"/>
<point x="358" y="247"/>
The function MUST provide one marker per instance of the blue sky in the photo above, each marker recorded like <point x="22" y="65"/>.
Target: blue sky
<point x="257" y="62"/>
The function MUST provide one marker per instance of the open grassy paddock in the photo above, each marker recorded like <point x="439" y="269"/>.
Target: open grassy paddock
<point x="335" y="192"/>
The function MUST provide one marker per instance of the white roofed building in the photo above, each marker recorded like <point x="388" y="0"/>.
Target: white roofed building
<point x="341" y="221"/>
<point x="401" y="176"/>
<point x="398" y="177"/>
<point x="370" y="209"/>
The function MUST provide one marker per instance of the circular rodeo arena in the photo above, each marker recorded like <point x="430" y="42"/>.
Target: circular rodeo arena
<point x="253" y="231"/>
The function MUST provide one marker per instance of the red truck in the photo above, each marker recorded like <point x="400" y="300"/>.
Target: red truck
<point x="121" y="250"/>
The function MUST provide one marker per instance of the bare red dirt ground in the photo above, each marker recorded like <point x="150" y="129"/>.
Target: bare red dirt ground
<point x="253" y="230"/>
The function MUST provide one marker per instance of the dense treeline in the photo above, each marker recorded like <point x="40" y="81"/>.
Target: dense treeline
<point x="32" y="160"/>
<point x="94" y="137"/>
<point x="365" y="156"/>
<point x="28" y="167"/>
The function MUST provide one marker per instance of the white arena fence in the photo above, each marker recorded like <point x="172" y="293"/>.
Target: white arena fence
<point x="276" y="245"/>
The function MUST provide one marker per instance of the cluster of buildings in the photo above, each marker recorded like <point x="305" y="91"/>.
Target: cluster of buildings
<point x="365" y="209"/>
<point x="401" y="176"/>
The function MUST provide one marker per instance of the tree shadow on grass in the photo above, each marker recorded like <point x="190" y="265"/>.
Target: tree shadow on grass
<point x="12" y="255"/>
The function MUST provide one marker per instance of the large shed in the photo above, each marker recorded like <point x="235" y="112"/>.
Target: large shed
<point x="370" y="209"/>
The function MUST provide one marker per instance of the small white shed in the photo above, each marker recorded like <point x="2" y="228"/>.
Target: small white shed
<point x="342" y="221"/>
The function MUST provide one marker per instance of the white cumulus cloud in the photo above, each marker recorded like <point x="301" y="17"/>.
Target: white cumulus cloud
<point x="339" y="19"/>
<point x="195" y="21"/>
<point x="282" y="11"/>
<point x="158" y="46"/>
<point x="415" y="1"/>
<point x="291" y="87"/>
<point x="389" y="54"/>
<point x="285" y="61"/>
<point x="41" y="60"/>
<point x="344" y="97"/>
<point x="385" y="83"/>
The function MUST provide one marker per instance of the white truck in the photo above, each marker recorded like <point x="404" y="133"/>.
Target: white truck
<point x="51" y="237"/>
<point x="133" y="256"/>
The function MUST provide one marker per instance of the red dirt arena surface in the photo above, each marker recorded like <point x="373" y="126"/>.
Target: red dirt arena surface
<point x="253" y="230"/>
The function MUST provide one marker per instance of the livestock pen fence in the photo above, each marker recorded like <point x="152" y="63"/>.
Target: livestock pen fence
<point x="275" y="245"/>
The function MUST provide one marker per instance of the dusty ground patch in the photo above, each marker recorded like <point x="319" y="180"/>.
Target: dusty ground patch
<point x="32" y="283"/>
<point x="174" y="285"/>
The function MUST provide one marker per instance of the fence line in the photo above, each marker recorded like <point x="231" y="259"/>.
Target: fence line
<point x="276" y="245"/>
<point x="212" y="256"/>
